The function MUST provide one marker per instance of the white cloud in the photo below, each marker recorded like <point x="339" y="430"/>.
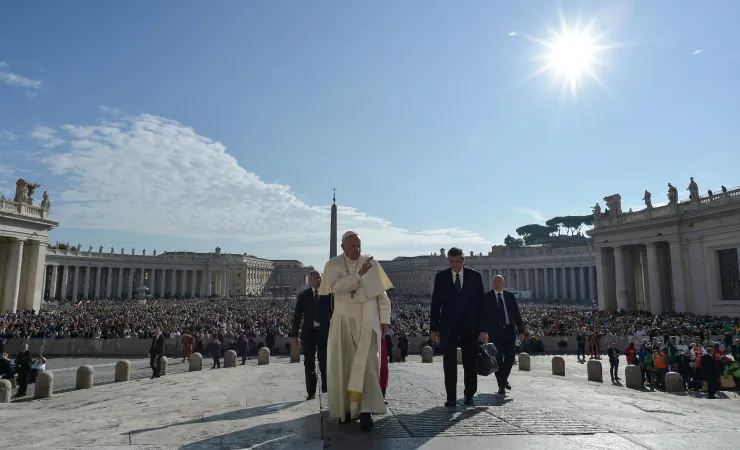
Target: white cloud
<point x="533" y="213"/>
<point x="8" y="135"/>
<point x="47" y="135"/>
<point x="31" y="94"/>
<point x="154" y="175"/>
<point x="513" y="33"/>
<point x="697" y="52"/>
<point x="15" y="80"/>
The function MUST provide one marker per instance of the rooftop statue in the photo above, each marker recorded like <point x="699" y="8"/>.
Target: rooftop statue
<point x="45" y="202"/>
<point x="693" y="190"/>
<point x="24" y="191"/>
<point x="648" y="199"/>
<point x="597" y="211"/>
<point x="672" y="194"/>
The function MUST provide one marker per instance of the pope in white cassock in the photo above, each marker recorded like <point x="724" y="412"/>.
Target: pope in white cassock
<point x="361" y="319"/>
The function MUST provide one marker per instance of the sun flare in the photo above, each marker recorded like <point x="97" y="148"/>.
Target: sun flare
<point x="571" y="55"/>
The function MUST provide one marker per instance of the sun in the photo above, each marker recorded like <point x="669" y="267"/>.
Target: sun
<point x="572" y="55"/>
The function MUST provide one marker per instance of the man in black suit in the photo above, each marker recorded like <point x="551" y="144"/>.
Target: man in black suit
<point x="156" y="352"/>
<point x="458" y="320"/>
<point x="312" y="310"/>
<point x="503" y="315"/>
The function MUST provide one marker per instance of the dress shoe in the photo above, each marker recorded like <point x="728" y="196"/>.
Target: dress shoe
<point x="501" y="391"/>
<point x="310" y="397"/>
<point x="507" y="386"/>
<point x="451" y="403"/>
<point x="468" y="401"/>
<point x="366" y="422"/>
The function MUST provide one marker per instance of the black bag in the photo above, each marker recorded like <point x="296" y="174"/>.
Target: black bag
<point x="487" y="363"/>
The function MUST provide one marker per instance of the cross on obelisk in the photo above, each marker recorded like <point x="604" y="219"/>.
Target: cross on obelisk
<point x="333" y="232"/>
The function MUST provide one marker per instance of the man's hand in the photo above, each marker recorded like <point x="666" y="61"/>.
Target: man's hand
<point x="435" y="337"/>
<point x="483" y="337"/>
<point x="385" y="329"/>
<point x="294" y="342"/>
<point x="366" y="267"/>
<point x="522" y="337"/>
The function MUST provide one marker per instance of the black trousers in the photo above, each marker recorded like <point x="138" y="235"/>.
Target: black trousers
<point x="155" y="362"/>
<point x="469" y="346"/>
<point x="505" y="359"/>
<point x="581" y="350"/>
<point x="22" y="382"/>
<point x="314" y="344"/>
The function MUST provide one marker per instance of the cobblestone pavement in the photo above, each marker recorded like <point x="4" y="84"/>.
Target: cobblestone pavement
<point x="568" y="410"/>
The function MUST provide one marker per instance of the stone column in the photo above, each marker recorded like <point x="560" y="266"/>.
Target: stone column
<point x="654" y="303"/>
<point x="584" y="279"/>
<point x="53" y="283"/>
<point x="555" y="283"/>
<point x="130" y="293"/>
<point x="36" y="275"/>
<point x="546" y="282"/>
<point x="86" y="290"/>
<point x="619" y="278"/>
<point x="193" y="282"/>
<point x="162" y="278"/>
<point x="173" y="278"/>
<point x="65" y="282"/>
<point x="227" y="284"/>
<point x="121" y="281"/>
<point x="208" y="284"/>
<point x="108" y="281"/>
<point x="677" y="277"/>
<point x="573" y="284"/>
<point x="536" y="282"/>
<point x="13" y="276"/>
<point x="76" y="283"/>
<point x="527" y="284"/>
<point x="152" y="281"/>
<point x="564" y="276"/>
<point x="183" y="281"/>
<point x="96" y="291"/>
<point x="592" y="285"/>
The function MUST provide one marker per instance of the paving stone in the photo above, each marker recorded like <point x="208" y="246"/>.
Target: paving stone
<point x="543" y="421"/>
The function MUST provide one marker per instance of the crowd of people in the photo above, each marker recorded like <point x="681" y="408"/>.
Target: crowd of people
<point x="258" y="316"/>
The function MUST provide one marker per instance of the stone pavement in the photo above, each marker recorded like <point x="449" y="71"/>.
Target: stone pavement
<point x="262" y="407"/>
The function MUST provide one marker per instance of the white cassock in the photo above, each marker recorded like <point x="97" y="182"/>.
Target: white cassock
<point x="353" y="363"/>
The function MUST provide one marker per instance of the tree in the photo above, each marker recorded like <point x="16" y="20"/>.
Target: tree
<point x="532" y="232"/>
<point x="556" y="223"/>
<point x="512" y="242"/>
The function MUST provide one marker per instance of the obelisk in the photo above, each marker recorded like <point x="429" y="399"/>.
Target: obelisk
<point x="333" y="234"/>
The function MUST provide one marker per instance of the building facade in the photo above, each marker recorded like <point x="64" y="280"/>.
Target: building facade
<point x="289" y="277"/>
<point x="24" y="236"/>
<point x="80" y="275"/>
<point x="548" y="273"/>
<point x="680" y="257"/>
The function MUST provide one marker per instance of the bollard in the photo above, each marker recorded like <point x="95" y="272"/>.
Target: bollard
<point x="163" y="363"/>
<point x="673" y="382"/>
<point x="123" y="371"/>
<point x="196" y="362"/>
<point x="459" y="355"/>
<point x="263" y="356"/>
<point x="6" y="391"/>
<point x="633" y="376"/>
<point x="85" y="377"/>
<point x="594" y="371"/>
<point x="524" y="362"/>
<point x="558" y="366"/>
<point x="396" y="354"/>
<point x="44" y="385"/>
<point x="295" y="353"/>
<point x="427" y="354"/>
<point x="230" y="358"/>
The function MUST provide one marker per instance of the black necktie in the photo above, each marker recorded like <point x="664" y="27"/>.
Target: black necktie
<point x="501" y="307"/>
<point x="458" y="284"/>
<point x="316" y="306"/>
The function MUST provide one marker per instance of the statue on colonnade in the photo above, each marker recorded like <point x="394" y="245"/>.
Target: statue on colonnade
<point x="693" y="190"/>
<point x="672" y="194"/>
<point x="648" y="199"/>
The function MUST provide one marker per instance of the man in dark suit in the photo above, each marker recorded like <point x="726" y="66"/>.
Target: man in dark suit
<point x="502" y="316"/>
<point x="458" y="320"/>
<point x="311" y="309"/>
<point x="156" y="352"/>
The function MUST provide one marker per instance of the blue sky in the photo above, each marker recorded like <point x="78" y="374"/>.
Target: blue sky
<point x="185" y="125"/>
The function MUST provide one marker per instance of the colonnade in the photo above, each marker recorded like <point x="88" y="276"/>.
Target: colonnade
<point x="21" y="267"/>
<point x="565" y="283"/>
<point x="102" y="281"/>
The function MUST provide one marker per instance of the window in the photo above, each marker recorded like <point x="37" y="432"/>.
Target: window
<point x="729" y="274"/>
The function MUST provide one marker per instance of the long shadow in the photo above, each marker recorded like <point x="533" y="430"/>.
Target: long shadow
<point x="231" y="415"/>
